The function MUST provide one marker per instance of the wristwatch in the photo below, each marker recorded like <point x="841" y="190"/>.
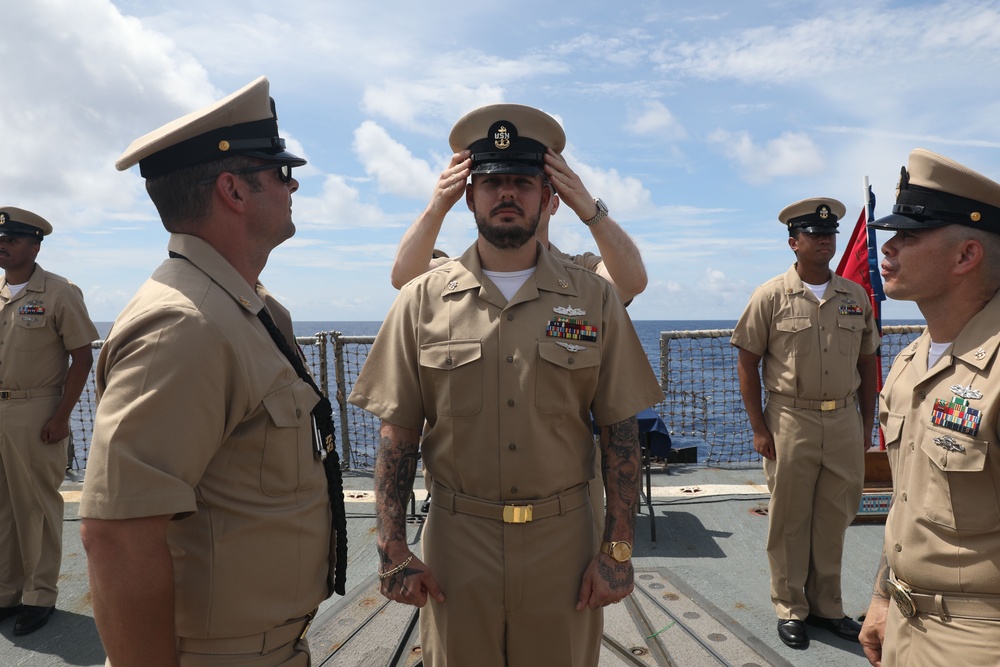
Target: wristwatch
<point x="602" y="212"/>
<point x="620" y="551"/>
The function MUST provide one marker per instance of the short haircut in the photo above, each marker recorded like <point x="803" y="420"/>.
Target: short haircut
<point x="181" y="198"/>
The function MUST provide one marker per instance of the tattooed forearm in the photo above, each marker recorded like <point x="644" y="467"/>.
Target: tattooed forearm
<point x="621" y="464"/>
<point x="395" y="470"/>
<point x="881" y="587"/>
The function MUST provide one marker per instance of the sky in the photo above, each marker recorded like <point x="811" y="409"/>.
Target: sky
<point x="695" y="122"/>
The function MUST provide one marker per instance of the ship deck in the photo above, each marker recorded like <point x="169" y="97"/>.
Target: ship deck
<point x="702" y="591"/>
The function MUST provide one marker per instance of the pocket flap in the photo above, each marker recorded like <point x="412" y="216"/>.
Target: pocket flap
<point x="793" y="324"/>
<point x="555" y="353"/>
<point x="450" y="354"/>
<point x="956" y="452"/>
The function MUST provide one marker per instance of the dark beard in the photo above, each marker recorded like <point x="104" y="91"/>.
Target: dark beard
<point x="507" y="236"/>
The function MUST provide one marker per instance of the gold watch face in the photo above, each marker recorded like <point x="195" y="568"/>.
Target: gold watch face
<point x="621" y="551"/>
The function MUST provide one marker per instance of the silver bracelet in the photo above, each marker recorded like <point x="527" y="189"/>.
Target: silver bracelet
<point x="398" y="568"/>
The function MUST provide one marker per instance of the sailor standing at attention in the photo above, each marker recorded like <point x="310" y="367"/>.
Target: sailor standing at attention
<point x="505" y="353"/>
<point x="813" y="335"/>
<point x="940" y="411"/>
<point x="44" y="327"/>
<point x="206" y="515"/>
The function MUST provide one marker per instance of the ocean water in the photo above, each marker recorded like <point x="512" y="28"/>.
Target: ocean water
<point x="647" y="330"/>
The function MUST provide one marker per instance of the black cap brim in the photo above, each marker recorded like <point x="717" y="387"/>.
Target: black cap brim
<point x="507" y="168"/>
<point x="895" y="221"/>
<point x="283" y="157"/>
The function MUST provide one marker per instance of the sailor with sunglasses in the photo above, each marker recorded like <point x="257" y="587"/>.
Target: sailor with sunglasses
<point x="206" y="515"/>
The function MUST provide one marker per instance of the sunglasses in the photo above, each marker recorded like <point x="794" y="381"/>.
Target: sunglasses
<point x="284" y="172"/>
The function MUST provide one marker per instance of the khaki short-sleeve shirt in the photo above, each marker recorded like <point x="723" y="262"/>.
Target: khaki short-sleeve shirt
<point x="507" y="388"/>
<point x="809" y="348"/>
<point x="940" y="425"/>
<point x="38" y="327"/>
<point x="202" y="417"/>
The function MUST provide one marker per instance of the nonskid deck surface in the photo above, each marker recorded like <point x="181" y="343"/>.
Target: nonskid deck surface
<point x="662" y="623"/>
<point x="702" y="591"/>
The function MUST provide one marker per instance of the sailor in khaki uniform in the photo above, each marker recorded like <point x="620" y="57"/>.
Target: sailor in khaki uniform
<point x="43" y="327"/>
<point x="939" y="410"/>
<point x="814" y="335"/>
<point x="206" y="516"/>
<point x="506" y="352"/>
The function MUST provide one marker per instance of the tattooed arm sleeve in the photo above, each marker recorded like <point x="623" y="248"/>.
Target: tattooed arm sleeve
<point x="620" y="467"/>
<point x="395" y="470"/>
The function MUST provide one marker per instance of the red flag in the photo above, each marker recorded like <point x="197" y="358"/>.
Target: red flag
<point x="854" y="263"/>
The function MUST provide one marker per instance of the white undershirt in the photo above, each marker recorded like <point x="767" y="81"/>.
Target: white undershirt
<point x="935" y="352"/>
<point x="508" y="282"/>
<point x="817" y="289"/>
<point x="15" y="289"/>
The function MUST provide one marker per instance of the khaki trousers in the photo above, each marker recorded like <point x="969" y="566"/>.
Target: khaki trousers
<point x="31" y="508"/>
<point x="927" y="641"/>
<point x="816" y="482"/>
<point x="510" y="591"/>
<point x="292" y="654"/>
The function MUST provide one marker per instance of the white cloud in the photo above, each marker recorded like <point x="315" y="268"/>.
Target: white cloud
<point x="655" y="120"/>
<point x="791" y="154"/>
<point x="395" y="168"/>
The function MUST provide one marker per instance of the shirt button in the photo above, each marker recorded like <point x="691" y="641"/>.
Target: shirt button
<point x="922" y="395"/>
<point x="448" y="362"/>
<point x="513" y="489"/>
<point x="510" y="317"/>
<point x="898" y="548"/>
<point x="944" y="461"/>
<point x="298" y="412"/>
<point x="510" y="358"/>
<point x="571" y="361"/>
<point x="510" y="402"/>
<point x="904" y="496"/>
<point x="512" y="447"/>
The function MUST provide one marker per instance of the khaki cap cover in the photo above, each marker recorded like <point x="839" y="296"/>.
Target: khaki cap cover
<point x="531" y="123"/>
<point x="19" y="222"/>
<point x="816" y="214"/>
<point x="507" y="138"/>
<point x="249" y="110"/>
<point x="935" y="191"/>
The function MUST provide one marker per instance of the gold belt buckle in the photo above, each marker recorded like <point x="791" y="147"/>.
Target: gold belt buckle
<point x="901" y="596"/>
<point x="4" y="394"/>
<point x="517" y="513"/>
<point x="827" y="405"/>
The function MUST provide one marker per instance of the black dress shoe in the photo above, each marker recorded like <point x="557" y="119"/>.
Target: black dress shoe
<point x="793" y="633"/>
<point x="31" y="618"/>
<point x="845" y="628"/>
<point x="7" y="612"/>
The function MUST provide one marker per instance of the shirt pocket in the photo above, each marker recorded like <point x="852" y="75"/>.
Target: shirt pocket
<point x="33" y="334"/>
<point x="565" y="380"/>
<point x="454" y="372"/>
<point x="795" y="336"/>
<point x="288" y="440"/>
<point x="961" y="493"/>
<point x="850" y="329"/>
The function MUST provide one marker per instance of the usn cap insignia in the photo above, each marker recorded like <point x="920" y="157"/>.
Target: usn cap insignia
<point x="824" y="212"/>
<point x="501" y="137"/>
<point x="3" y="217"/>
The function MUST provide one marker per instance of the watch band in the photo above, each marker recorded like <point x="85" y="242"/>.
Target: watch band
<point x="602" y="212"/>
